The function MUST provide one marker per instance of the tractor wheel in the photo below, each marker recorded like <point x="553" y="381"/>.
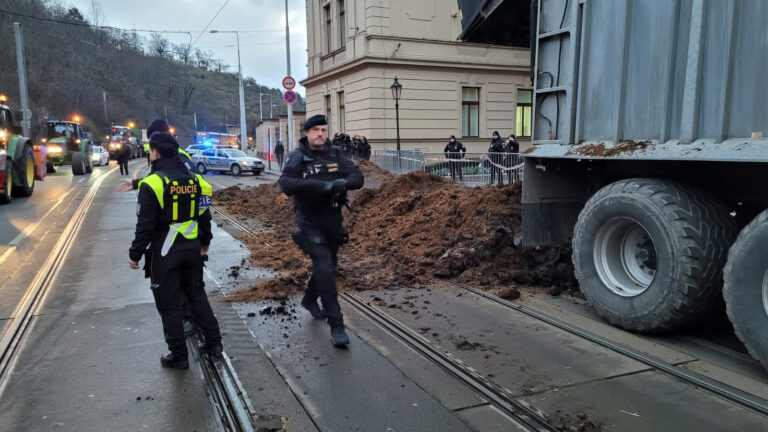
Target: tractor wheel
<point x="79" y="163"/>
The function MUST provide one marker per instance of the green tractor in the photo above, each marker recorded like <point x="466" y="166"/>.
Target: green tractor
<point x="67" y="144"/>
<point x="21" y="162"/>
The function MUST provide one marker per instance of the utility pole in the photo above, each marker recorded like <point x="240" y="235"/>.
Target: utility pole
<point x="243" y="131"/>
<point x="194" y="115"/>
<point x="288" y="59"/>
<point x="166" y="113"/>
<point x="106" y="118"/>
<point x="26" y="122"/>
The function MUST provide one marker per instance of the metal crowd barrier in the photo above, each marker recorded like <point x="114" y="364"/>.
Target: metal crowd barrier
<point x="474" y="169"/>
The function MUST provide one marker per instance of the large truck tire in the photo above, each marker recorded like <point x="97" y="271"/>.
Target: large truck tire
<point x="649" y="254"/>
<point x="25" y="173"/>
<point x="745" y="287"/>
<point x="6" y="197"/>
<point x="79" y="163"/>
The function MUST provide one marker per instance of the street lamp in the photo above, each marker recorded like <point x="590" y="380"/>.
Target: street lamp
<point x="397" y="89"/>
<point x="243" y="131"/>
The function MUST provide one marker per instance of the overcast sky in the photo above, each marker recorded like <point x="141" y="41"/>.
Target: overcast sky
<point x="262" y="52"/>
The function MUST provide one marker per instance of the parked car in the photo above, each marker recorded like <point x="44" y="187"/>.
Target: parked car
<point x="197" y="148"/>
<point x="232" y="160"/>
<point x="99" y="156"/>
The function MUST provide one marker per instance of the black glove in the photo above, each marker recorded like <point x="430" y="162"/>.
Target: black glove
<point x="336" y="187"/>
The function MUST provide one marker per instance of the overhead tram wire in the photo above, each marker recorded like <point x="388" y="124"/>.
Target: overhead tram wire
<point x="202" y="32"/>
<point x="104" y="27"/>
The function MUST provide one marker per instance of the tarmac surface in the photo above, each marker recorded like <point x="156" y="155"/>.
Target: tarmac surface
<point x="90" y="359"/>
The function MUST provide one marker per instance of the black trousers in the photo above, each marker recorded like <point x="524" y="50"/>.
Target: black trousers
<point x="175" y="276"/>
<point x="455" y="169"/>
<point x="321" y="243"/>
<point x="123" y="166"/>
<point x="280" y="160"/>
<point x="496" y="172"/>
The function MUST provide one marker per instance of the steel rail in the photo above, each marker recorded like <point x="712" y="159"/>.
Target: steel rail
<point x="525" y="414"/>
<point x="715" y="387"/>
<point x="46" y="275"/>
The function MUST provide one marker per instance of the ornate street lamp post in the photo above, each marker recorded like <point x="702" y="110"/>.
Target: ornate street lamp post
<point x="397" y="89"/>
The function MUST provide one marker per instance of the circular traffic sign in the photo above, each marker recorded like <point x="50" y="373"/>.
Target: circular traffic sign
<point x="289" y="83"/>
<point x="289" y="97"/>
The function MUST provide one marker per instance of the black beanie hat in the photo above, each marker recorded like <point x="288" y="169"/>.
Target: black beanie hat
<point x="158" y="125"/>
<point x="315" y="120"/>
<point x="164" y="143"/>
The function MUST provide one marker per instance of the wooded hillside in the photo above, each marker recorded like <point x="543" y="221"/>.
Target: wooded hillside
<point x="71" y="61"/>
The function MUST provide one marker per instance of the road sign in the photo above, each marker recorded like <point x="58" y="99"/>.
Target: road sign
<point x="289" y="83"/>
<point x="290" y="97"/>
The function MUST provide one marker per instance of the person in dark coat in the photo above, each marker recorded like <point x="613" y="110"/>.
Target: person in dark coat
<point x="317" y="176"/>
<point x="365" y="149"/>
<point x="512" y="148"/>
<point x="279" y="153"/>
<point x="497" y="158"/>
<point x="123" y="156"/>
<point x="454" y="152"/>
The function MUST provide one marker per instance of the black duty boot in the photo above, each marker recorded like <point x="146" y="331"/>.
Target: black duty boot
<point x="189" y="327"/>
<point x="175" y="361"/>
<point x="339" y="336"/>
<point x="212" y="349"/>
<point x="313" y="308"/>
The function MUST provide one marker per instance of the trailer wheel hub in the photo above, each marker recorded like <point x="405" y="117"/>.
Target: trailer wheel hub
<point x="765" y="293"/>
<point x="625" y="257"/>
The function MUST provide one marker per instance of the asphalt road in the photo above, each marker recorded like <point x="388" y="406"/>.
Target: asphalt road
<point x="90" y="358"/>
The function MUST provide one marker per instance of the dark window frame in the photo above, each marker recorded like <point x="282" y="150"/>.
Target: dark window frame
<point x="468" y="126"/>
<point x="328" y="27"/>
<point x="521" y="132"/>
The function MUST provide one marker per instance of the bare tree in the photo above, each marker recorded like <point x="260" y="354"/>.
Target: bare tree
<point x="158" y="45"/>
<point x="95" y="13"/>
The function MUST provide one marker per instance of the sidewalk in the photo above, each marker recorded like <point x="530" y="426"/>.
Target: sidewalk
<point x="91" y="360"/>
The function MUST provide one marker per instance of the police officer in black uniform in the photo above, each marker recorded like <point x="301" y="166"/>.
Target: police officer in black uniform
<point x="454" y="152"/>
<point x="173" y="232"/>
<point x="318" y="175"/>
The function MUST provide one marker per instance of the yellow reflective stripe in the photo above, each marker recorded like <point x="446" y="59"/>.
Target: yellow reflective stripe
<point x="155" y="182"/>
<point x="205" y="187"/>
<point x="184" y="153"/>
<point x="175" y="209"/>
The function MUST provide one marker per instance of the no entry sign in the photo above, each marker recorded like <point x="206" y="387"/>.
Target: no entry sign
<point x="289" y="83"/>
<point x="289" y="97"/>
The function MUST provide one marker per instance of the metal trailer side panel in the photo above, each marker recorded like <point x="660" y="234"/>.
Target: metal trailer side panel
<point x="650" y="70"/>
<point x="645" y="88"/>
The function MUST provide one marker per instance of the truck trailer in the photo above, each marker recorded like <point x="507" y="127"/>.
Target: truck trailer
<point x="650" y="157"/>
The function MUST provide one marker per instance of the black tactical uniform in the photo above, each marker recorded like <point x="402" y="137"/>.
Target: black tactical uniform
<point x="317" y="181"/>
<point x="454" y="152"/>
<point x="512" y="147"/>
<point x="496" y="149"/>
<point x="170" y="230"/>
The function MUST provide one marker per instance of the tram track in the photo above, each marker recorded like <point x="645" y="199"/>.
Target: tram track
<point x="525" y="414"/>
<point x="233" y="411"/>
<point x="503" y="399"/>
<point x="13" y="337"/>
<point x="714" y="387"/>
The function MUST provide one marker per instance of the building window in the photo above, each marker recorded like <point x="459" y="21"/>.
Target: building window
<point x="342" y="122"/>
<point x="328" y="111"/>
<point x="328" y="27"/>
<point x="523" y="115"/>
<point x="342" y="25"/>
<point x="470" y="111"/>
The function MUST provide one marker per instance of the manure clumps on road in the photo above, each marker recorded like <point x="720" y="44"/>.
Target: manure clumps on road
<point x="406" y="231"/>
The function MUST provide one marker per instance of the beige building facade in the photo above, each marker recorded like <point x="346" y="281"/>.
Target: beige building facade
<point x="270" y="131"/>
<point x="357" y="47"/>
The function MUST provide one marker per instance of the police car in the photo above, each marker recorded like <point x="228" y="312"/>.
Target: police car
<point x="232" y="160"/>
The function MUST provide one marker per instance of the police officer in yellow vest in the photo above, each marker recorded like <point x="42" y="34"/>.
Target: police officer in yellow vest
<point x="174" y="231"/>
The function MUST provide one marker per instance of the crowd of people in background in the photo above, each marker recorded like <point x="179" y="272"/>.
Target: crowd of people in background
<point x="355" y="147"/>
<point x="500" y="156"/>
